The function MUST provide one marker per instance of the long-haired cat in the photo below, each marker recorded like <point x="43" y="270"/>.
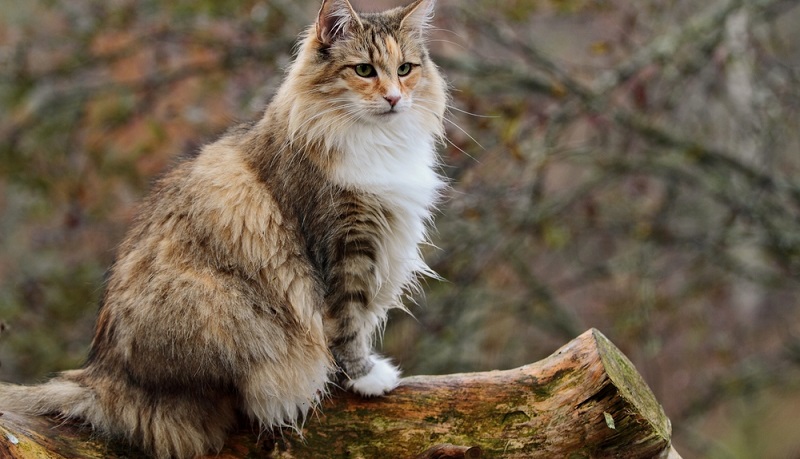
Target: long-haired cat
<point x="264" y="266"/>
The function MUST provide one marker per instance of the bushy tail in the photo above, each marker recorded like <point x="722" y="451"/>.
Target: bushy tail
<point x="61" y="395"/>
<point x="170" y="426"/>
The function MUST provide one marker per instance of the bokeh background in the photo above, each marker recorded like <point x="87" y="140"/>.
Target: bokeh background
<point x="625" y="165"/>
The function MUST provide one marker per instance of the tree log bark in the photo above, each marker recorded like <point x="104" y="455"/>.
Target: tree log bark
<point x="585" y="400"/>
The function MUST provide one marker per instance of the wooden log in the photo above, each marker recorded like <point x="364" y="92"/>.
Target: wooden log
<point x="585" y="400"/>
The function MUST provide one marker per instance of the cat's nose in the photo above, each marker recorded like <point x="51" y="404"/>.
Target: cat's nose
<point x="393" y="99"/>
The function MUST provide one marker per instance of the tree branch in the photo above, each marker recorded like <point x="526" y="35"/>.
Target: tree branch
<point x="585" y="400"/>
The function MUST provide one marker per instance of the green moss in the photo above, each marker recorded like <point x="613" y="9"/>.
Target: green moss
<point x="515" y="417"/>
<point x="544" y="388"/>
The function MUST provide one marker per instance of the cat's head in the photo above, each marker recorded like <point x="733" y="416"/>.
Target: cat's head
<point x="367" y="68"/>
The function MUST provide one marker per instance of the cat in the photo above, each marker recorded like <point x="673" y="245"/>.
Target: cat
<point x="261" y="270"/>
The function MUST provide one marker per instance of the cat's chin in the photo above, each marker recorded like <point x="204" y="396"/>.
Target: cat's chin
<point x="383" y="115"/>
<point x="387" y="115"/>
<point x="387" y="118"/>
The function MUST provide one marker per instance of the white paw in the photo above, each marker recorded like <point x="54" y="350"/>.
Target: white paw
<point x="381" y="379"/>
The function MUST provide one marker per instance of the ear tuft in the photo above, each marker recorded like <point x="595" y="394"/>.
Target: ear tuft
<point x="336" y="18"/>
<point x="418" y="15"/>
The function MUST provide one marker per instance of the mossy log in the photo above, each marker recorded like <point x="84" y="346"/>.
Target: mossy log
<point x="585" y="400"/>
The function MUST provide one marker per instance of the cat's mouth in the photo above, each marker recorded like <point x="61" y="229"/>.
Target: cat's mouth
<point x="383" y="113"/>
<point x="390" y="112"/>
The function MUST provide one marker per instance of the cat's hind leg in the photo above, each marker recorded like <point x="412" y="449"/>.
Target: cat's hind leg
<point x="280" y="391"/>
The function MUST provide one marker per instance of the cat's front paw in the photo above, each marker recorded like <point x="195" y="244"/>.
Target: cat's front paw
<point x="382" y="378"/>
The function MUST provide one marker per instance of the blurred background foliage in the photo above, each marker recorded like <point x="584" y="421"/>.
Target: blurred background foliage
<point x="629" y="166"/>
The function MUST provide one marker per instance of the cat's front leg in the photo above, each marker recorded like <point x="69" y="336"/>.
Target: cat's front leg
<point x="365" y="372"/>
<point x="352" y="319"/>
<point x="383" y="377"/>
<point x="350" y="335"/>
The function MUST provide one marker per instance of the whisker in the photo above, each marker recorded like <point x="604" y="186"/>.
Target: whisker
<point x="452" y="107"/>
<point x="450" y="141"/>
<point x="454" y="124"/>
<point x="449" y="42"/>
<point x="315" y="117"/>
<point x="442" y="29"/>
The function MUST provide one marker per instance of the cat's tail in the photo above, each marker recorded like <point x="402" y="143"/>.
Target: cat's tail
<point x="61" y="395"/>
<point x="172" y="426"/>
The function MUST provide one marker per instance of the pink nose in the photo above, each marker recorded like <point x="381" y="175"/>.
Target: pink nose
<point x="392" y="99"/>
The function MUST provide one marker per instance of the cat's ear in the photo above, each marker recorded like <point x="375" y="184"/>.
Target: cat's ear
<point x="336" y="18"/>
<point x="418" y="15"/>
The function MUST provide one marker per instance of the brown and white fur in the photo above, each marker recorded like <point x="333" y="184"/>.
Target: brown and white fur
<point x="265" y="265"/>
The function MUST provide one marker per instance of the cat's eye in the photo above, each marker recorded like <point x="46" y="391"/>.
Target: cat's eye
<point x="404" y="69"/>
<point x="365" y="70"/>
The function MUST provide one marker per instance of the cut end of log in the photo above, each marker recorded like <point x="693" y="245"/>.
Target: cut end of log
<point x="631" y="385"/>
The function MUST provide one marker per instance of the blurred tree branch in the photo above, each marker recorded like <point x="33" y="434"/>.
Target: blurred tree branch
<point x="716" y="198"/>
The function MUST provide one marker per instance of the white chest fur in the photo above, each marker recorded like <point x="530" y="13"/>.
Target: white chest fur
<point x="395" y="162"/>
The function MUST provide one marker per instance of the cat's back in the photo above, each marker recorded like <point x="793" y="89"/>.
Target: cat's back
<point x="212" y="205"/>
<point x="212" y="223"/>
<point x="212" y="244"/>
